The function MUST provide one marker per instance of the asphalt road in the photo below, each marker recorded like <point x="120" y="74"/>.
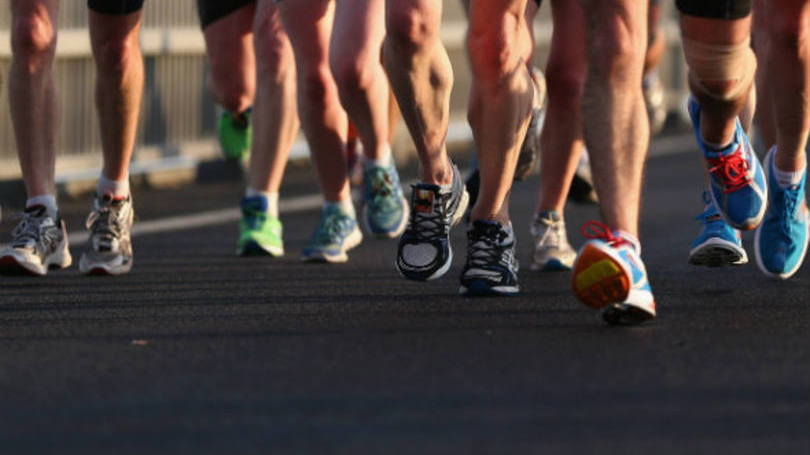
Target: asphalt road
<point x="198" y="351"/>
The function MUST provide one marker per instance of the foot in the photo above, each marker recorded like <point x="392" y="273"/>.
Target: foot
<point x="110" y="248"/>
<point x="552" y="252"/>
<point x="582" y="190"/>
<point x="718" y="244"/>
<point x="235" y="133"/>
<point x="737" y="182"/>
<point x="530" y="150"/>
<point x="610" y="275"/>
<point x="780" y="242"/>
<point x="38" y="243"/>
<point x="424" y="251"/>
<point x="336" y="234"/>
<point x="491" y="267"/>
<point x="259" y="233"/>
<point x="386" y="210"/>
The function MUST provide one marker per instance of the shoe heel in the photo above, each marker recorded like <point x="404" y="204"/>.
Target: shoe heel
<point x="599" y="280"/>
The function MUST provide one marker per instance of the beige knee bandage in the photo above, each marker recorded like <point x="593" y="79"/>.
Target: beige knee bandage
<point x="734" y="63"/>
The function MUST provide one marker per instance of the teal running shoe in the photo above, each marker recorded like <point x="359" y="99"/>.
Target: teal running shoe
<point x="235" y="133"/>
<point x="259" y="233"/>
<point x="336" y="234"/>
<point x="736" y="180"/>
<point x="780" y="242"/>
<point x="718" y="244"/>
<point x="386" y="209"/>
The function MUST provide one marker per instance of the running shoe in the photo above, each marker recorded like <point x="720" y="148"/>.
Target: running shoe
<point x="552" y="252"/>
<point x="336" y="234"/>
<point x="736" y="180"/>
<point x="780" y="242"/>
<point x="718" y="244"/>
<point x="110" y="248"/>
<point x="38" y="243"/>
<point x="610" y="275"/>
<point x="386" y="210"/>
<point x="582" y="190"/>
<point x="424" y="251"/>
<point x="655" y="99"/>
<point x="235" y="133"/>
<point x="259" y="233"/>
<point x="491" y="267"/>
<point x="530" y="150"/>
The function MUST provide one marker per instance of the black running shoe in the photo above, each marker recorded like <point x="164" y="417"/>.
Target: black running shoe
<point x="424" y="251"/>
<point x="491" y="267"/>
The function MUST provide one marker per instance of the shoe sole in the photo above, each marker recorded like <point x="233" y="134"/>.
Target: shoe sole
<point x="12" y="265"/>
<point x="624" y="314"/>
<point x="717" y="253"/>
<point x="353" y="240"/>
<point x="251" y="249"/>
<point x="483" y="289"/>
<point x="101" y="269"/>
<point x="599" y="279"/>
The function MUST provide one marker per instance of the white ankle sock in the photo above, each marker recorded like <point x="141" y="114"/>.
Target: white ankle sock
<point x="46" y="200"/>
<point x="272" y="200"/>
<point x="115" y="188"/>
<point x="786" y="178"/>
<point x="630" y="238"/>
<point x="384" y="160"/>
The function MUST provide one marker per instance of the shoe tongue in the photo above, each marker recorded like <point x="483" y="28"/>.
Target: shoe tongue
<point x="487" y="227"/>
<point x="258" y="203"/>
<point x="549" y="216"/>
<point x="424" y="198"/>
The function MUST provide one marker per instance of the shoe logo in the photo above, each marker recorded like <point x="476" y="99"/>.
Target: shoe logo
<point x="423" y="201"/>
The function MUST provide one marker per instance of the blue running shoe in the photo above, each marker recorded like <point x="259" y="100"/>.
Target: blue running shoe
<point x="386" y="210"/>
<point x="780" y="242"/>
<point x="609" y="275"/>
<point x="736" y="180"/>
<point x="491" y="267"/>
<point x="718" y="244"/>
<point x="336" y="234"/>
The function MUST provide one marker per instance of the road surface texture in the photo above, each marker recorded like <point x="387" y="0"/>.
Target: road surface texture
<point x="199" y="351"/>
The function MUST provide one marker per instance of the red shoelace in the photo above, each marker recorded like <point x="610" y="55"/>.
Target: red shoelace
<point x="731" y="169"/>
<point x="598" y="230"/>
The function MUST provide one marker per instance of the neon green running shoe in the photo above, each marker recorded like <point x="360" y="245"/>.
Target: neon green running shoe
<point x="259" y="233"/>
<point x="235" y="133"/>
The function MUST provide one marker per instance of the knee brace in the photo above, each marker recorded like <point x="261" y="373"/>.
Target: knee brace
<point x="734" y="63"/>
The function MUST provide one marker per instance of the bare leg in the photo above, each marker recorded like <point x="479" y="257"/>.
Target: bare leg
<point x="656" y="42"/>
<point x="355" y="61"/>
<point x="421" y="76"/>
<point x="562" y="134"/>
<point x="229" y="43"/>
<point x="500" y="99"/>
<point x="274" y="112"/>
<point x="785" y="65"/>
<point x="309" y="26"/>
<point x="613" y="115"/>
<point x="32" y="92"/>
<point x="119" y="87"/>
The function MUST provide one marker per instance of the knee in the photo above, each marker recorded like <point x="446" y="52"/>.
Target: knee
<point x="352" y="73"/>
<point x="565" y="83"/>
<point x="616" y="50"/>
<point x="115" y="55"/>
<point x="786" y="30"/>
<point x="33" y="40"/>
<point x="494" y="48"/>
<point x="314" y="85"/>
<point x="410" y="28"/>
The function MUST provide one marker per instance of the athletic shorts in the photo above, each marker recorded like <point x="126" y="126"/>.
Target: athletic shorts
<point x="115" y="6"/>
<point x="213" y="10"/>
<point x="715" y="9"/>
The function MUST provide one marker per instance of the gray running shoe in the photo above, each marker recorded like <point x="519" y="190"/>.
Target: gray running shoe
<point x="552" y="252"/>
<point x="529" y="154"/>
<point x="110" y="249"/>
<point x="38" y="243"/>
<point x="491" y="268"/>
<point x="424" y="251"/>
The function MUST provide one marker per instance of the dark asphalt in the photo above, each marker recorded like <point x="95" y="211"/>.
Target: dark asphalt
<point x="198" y="351"/>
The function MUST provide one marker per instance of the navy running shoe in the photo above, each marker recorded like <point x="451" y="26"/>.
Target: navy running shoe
<point x="491" y="267"/>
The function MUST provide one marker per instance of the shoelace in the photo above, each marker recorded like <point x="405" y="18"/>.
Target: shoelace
<point x="546" y="231"/>
<point x="486" y="249"/>
<point x="732" y="169"/>
<point x="598" y="230"/>
<point x="709" y="214"/>
<point x="27" y="230"/>
<point x="105" y="225"/>
<point x="430" y="226"/>
<point x="791" y="200"/>
<point x="380" y="188"/>
<point x="331" y="226"/>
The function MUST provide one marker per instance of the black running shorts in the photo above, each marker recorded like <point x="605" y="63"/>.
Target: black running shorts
<point x="115" y="6"/>
<point x="715" y="9"/>
<point x="213" y="10"/>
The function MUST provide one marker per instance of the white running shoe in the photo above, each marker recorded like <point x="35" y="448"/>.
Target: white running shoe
<point x="110" y="250"/>
<point x="38" y="243"/>
<point x="552" y="252"/>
